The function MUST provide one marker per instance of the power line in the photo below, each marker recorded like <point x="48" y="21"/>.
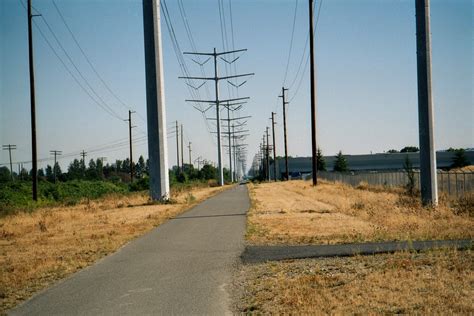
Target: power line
<point x="307" y="58"/>
<point x="88" y="59"/>
<point x="106" y="109"/>
<point x="291" y="42"/>
<point x="182" y="63"/>
<point x="77" y="69"/>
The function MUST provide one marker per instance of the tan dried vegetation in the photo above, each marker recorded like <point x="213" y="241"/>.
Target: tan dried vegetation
<point x="39" y="248"/>
<point x="437" y="282"/>
<point x="294" y="212"/>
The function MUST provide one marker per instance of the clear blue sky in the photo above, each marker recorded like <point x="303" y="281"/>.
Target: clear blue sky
<point x="366" y="69"/>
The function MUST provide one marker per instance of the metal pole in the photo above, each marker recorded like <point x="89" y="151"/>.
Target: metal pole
<point x="235" y="151"/>
<point x="428" y="181"/>
<point x="284" y="129"/>
<point x="230" y="143"/>
<point x="313" y="94"/>
<point x="156" y="108"/>
<point x="219" y="146"/>
<point x="267" y="152"/>
<point x="274" y="147"/>
<point x="190" y="160"/>
<point x="34" y="171"/>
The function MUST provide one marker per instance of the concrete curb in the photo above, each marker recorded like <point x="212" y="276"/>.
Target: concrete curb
<point x="256" y="254"/>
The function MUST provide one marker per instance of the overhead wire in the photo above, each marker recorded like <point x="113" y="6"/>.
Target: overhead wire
<point x="94" y="69"/>
<point x="307" y="58"/>
<point x="77" y="69"/>
<point x="102" y="106"/>
<point x="291" y="43"/>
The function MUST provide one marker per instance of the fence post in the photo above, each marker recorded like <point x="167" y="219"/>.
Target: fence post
<point x="456" y="182"/>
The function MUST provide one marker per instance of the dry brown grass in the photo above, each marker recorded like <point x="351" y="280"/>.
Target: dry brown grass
<point x="438" y="282"/>
<point x="294" y="212"/>
<point x="39" y="248"/>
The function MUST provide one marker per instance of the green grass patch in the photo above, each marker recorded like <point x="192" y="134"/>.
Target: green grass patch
<point x="17" y="196"/>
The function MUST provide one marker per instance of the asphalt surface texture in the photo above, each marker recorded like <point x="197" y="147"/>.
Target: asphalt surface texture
<point x="182" y="267"/>
<point x="257" y="254"/>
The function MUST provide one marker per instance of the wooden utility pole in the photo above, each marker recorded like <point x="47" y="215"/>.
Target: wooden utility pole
<point x="182" y="149"/>
<point x="130" y="140"/>
<point x="314" y="149"/>
<point x="155" y="100"/>
<point x="283" y="96"/>
<point x="83" y="154"/>
<point x="55" y="153"/>
<point x="34" y="171"/>
<point x="274" y="148"/>
<point x="428" y="181"/>
<point x="177" y="146"/>
<point x="10" y="148"/>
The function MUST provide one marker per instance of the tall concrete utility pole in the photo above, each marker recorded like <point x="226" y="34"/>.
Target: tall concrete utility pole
<point x="283" y="96"/>
<point x="230" y="144"/>
<point x="155" y="99"/>
<point x="274" y="148"/>
<point x="190" y="159"/>
<point x="217" y="101"/>
<point x="34" y="171"/>
<point x="55" y="153"/>
<point x="268" y="154"/>
<point x="10" y="148"/>
<point x="130" y="140"/>
<point x="429" y="185"/>
<point x="182" y="149"/>
<point x="235" y="152"/>
<point x="177" y="146"/>
<point x="314" y="149"/>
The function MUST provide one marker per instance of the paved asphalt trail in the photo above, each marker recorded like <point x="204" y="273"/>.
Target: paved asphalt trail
<point x="182" y="267"/>
<point x="256" y="254"/>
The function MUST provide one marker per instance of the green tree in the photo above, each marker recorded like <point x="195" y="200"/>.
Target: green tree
<point x="341" y="163"/>
<point x="4" y="174"/>
<point x="460" y="159"/>
<point x="49" y="173"/>
<point x="208" y="172"/>
<point x="41" y="175"/>
<point x="410" y="149"/>
<point x="60" y="176"/>
<point x="392" y="151"/>
<point x="74" y="171"/>
<point x="92" y="172"/>
<point x="140" y="169"/>
<point x="321" y="163"/>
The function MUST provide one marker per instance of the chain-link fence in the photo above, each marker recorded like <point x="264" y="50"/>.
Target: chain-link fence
<point x="452" y="183"/>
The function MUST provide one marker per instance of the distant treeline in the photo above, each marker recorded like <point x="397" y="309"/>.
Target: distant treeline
<point x="119" y="171"/>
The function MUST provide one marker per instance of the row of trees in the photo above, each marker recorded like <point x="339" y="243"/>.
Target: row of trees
<point x="118" y="171"/>
<point x="340" y="165"/>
